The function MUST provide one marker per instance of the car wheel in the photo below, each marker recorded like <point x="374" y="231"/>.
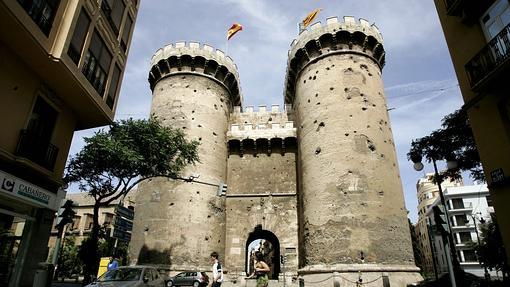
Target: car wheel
<point x="169" y="284"/>
<point x="196" y="284"/>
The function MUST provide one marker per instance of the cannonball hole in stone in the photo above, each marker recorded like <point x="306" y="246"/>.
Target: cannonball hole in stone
<point x="308" y="100"/>
<point x="183" y="77"/>
<point x="304" y="82"/>
<point x="316" y="95"/>
<point x="346" y="134"/>
<point x="318" y="103"/>
<point x="318" y="150"/>
<point x="315" y="121"/>
<point x="314" y="77"/>
<point x="363" y="108"/>
<point x="199" y="126"/>
<point x="331" y="88"/>
<point x="199" y="139"/>
<point x="194" y="91"/>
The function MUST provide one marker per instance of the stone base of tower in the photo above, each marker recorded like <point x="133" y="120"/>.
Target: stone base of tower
<point x="372" y="275"/>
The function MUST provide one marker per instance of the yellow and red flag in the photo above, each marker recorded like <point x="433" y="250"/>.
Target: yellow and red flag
<point x="236" y="27"/>
<point x="309" y="18"/>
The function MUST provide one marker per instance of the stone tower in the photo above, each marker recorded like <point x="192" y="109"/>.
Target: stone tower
<point x="179" y="223"/>
<point x="352" y="214"/>
<point x="316" y="182"/>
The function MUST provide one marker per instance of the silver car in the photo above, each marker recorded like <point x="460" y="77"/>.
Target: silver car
<point x="130" y="276"/>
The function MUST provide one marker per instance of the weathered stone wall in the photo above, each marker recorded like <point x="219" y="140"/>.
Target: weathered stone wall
<point x="180" y="223"/>
<point x="262" y="186"/>
<point x="349" y="181"/>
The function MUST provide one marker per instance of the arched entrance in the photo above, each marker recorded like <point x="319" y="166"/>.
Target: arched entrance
<point x="266" y="242"/>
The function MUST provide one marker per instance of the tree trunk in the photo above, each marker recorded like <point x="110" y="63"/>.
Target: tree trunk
<point x="91" y="267"/>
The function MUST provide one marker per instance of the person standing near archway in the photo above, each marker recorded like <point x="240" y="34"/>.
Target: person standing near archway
<point x="261" y="270"/>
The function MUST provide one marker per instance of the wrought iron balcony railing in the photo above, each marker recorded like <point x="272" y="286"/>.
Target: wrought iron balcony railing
<point x="490" y="59"/>
<point x="32" y="147"/>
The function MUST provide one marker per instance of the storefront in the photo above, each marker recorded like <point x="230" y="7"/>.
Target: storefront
<point x="26" y="215"/>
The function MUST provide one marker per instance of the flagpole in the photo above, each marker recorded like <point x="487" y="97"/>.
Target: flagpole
<point x="226" y="48"/>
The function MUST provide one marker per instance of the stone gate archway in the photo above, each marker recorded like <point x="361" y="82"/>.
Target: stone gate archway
<point x="266" y="242"/>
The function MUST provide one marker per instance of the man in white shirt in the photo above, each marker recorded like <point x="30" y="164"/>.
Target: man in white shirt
<point x="217" y="271"/>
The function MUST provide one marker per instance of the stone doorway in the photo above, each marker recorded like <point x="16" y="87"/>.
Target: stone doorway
<point x="266" y="242"/>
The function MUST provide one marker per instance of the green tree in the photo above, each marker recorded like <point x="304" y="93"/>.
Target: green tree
<point x="69" y="264"/>
<point x="453" y="141"/>
<point x="491" y="251"/>
<point x="115" y="160"/>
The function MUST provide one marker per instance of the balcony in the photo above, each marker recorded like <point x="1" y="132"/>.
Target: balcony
<point x="491" y="60"/>
<point x="34" y="148"/>
<point x="460" y="208"/>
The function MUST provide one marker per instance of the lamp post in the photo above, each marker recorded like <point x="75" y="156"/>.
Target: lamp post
<point x="486" y="274"/>
<point x="450" y="252"/>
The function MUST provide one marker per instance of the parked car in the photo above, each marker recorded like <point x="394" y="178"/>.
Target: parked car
<point x="190" y="278"/>
<point x="130" y="276"/>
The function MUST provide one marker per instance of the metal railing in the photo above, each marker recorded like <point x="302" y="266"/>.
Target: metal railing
<point x="34" y="148"/>
<point x="493" y="56"/>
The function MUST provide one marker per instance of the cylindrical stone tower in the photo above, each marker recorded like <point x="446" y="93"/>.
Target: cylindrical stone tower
<point x="180" y="223"/>
<point x="352" y="208"/>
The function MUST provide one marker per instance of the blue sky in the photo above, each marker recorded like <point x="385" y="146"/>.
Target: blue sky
<point x="419" y="79"/>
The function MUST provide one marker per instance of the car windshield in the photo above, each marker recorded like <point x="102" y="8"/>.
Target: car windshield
<point x="121" y="274"/>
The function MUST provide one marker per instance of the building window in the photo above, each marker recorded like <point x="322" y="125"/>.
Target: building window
<point x="42" y="12"/>
<point x="97" y="63"/>
<point x="76" y="222"/>
<point x="34" y="142"/>
<point x="495" y="19"/>
<point x="108" y="218"/>
<point x="113" y="10"/>
<point x="469" y="256"/>
<point x="489" y="200"/>
<point x="125" y="34"/>
<point x="461" y="220"/>
<point x="457" y="203"/>
<point x="465" y="237"/>
<point x="110" y="99"/>
<point x="89" y="221"/>
<point x="80" y="32"/>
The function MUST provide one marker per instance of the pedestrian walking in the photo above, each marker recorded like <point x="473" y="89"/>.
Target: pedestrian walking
<point x="216" y="270"/>
<point x="113" y="264"/>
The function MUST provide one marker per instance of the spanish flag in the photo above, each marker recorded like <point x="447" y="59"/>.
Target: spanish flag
<point x="236" y="27"/>
<point x="309" y="18"/>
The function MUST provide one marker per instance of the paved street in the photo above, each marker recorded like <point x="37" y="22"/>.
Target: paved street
<point x="65" y="284"/>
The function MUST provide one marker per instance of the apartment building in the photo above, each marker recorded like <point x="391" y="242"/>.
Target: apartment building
<point x="477" y="34"/>
<point x="82" y="221"/>
<point x="61" y="67"/>
<point x="427" y="192"/>
<point x="468" y="207"/>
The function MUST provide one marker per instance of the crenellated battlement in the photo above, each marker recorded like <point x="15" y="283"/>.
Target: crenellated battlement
<point x="334" y="37"/>
<point x="263" y="123"/>
<point x="196" y="58"/>
<point x="333" y="25"/>
<point x="262" y="109"/>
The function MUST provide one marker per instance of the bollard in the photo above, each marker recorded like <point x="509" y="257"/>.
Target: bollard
<point x="336" y="281"/>
<point x="301" y="282"/>
<point x="385" y="280"/>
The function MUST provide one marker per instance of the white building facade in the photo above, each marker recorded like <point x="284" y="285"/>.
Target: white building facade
<point x="468" y="207"/>
<point x="427" y="192"/>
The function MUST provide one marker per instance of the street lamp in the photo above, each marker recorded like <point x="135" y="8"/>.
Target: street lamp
<point x="449" y="244"/>
<point x="482" y="221"/>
